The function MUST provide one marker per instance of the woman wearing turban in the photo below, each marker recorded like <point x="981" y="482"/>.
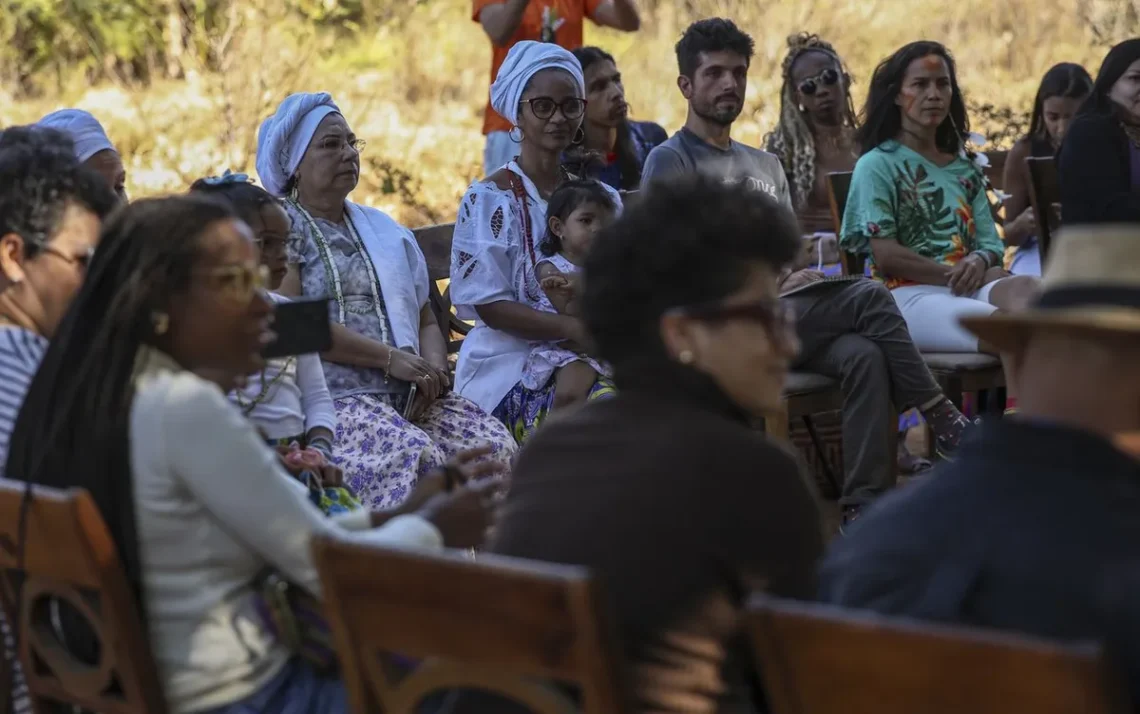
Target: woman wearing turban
<point x="385" y="337"/>
<point x="501" y="221"/>
<point x="92" y="147"/>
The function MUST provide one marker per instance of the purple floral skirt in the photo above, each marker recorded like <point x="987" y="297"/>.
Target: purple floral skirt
<point x="383" y="454"/>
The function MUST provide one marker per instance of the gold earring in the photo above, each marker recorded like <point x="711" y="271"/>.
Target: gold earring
<point x="161" y="322"/>
<point x="685" y="357"/>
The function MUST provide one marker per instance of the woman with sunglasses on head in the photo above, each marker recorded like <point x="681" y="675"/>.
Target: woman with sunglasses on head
<point x="816" y="132"/>
<point x="50" y="211"/>
<point x="1098" y="165"/>
<point x="500" y="226"/>
<point x="1059" y="96"/>
<point x="918" y="207"/>
<point x="196" y="504"/>
<point x="387" y="371"/>
<point x="614" y="147"/>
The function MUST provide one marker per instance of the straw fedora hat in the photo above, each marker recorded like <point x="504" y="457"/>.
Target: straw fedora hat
<point x="1091" y="285"/>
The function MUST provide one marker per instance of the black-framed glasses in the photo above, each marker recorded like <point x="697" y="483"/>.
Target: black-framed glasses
<point x="773" y="315"/>
<point x="544" y="107"/>
<point x="828" y="77"/>
<point x="82" y="260"/>
<point x="272" y="244"/>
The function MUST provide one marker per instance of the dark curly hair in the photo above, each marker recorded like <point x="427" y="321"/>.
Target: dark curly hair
<point x="881" y="119"/>
<point x="39" y="178"/>
<point x="247" y="199"/>
<point x="687" y="241"/>
<point x="581" y="161"/>
<point x="715" y="34"/>
<point x="565" y="200"/>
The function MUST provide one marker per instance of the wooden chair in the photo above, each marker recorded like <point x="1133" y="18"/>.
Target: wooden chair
<point x="68" y="556"/>
<point x="816" y="659"/>
<point x="503" y="625"/>
<point x="1044" y="191"/>
<point x="435" y="242"/>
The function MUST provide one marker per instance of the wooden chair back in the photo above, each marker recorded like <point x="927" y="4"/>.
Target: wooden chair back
<point x="816" y="659"/>
<point x="995" y="172"/>
<point x="1044" y="191"/>
<point x="501" y="625"/>
<point x="838" y="186"/>
<point x="435" y="243"/>
<point x="68" y="557"/>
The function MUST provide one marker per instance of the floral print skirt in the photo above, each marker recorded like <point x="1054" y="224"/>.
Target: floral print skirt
<point x="523" y="410"/>
<point x="383" y="455"/>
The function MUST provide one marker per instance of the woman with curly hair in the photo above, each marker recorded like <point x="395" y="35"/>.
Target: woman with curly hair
<point x="816" y="132"/>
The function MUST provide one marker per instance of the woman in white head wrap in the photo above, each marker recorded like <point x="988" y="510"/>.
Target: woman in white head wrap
<point x="501" y="222"/>
<point x="92" y="147"/>
<point x="387" y="370"/>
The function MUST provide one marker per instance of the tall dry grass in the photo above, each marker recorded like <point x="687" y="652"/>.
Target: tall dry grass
<point x="415" y="90"/>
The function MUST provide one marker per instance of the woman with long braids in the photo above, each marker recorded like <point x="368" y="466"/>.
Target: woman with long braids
<point x="196" y="503"/>
<point x="918" y="207"/>
<point x="387" y="370"/>
<point x="613" y="147"/>
<point x="816" y="131"/>
<point x="501" y="222"/>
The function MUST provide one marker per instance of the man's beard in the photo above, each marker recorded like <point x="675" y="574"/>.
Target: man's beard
<point x="723" y="117"/>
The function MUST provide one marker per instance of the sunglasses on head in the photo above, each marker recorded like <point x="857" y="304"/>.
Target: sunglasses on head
<point x="828" y="77"/>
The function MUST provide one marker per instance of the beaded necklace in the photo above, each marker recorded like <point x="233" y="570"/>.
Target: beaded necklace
<point x="333" y="274"/>
<point x="248" y="407"/>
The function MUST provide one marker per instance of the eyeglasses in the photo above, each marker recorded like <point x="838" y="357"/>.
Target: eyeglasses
<point x="828" y="77"/>
<point x="776" y="317"/>
<point x="272" y="245"/>
<point x="82" y="260"/>
<point x="336" y="143"/>
<point x="543" y="107"/>
<point x="239" y="283"/>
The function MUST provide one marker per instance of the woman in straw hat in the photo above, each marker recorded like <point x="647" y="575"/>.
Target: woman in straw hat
<point x="1034" y="528"/>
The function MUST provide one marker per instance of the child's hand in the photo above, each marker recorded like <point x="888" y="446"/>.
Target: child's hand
<point x="559" y="289"/>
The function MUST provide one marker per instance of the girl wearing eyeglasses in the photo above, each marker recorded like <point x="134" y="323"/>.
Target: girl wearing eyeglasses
<point x="498" y="234"/>
<point x="816" y="132"/>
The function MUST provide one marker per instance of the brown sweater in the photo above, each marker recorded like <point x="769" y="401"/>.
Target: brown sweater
<point x="682" y="510"/>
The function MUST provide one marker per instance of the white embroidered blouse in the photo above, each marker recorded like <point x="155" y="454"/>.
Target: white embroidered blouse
<point x="493" y="259"/>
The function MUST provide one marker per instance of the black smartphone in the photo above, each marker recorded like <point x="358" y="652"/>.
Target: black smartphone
<point x="302" y="327"/>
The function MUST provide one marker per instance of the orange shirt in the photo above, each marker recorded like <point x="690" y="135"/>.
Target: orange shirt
<point x="566" y="15"/>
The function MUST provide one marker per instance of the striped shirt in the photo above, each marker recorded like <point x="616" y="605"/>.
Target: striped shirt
<point x="20" y="355"/>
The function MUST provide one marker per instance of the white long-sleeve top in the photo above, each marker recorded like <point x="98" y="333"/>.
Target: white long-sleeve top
<point x="290" y="404"/>
<point x="213" y="508"/>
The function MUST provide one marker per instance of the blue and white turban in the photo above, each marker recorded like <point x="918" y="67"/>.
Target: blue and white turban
<point x="525" y="60"/>
<point x="85" y="131"/>
<point x="284" y="137"/>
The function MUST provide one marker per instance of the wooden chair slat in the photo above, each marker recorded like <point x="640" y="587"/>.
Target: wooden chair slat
<point x="435" y="244"/>
<point x="68" y="556"/>
<point x="489" y="620"/>
<point x="1044" y="191"/>
<point x="818" y="659"/>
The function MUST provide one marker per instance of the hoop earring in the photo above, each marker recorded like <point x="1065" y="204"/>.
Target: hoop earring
<point x="579" y="136"/>
<point x="511" y="134"/>
<point x="293" y="190"/>
<point x="161" y="322"/>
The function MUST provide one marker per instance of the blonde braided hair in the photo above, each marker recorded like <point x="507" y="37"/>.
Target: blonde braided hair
<point x="792" y="140"/>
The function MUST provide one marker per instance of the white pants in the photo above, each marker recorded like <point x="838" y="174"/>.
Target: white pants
<point x="498" y="150"/>
<point x="932" y="312"/>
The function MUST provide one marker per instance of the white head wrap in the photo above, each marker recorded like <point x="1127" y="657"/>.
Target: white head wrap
<point x="525" y="60"/>
<point x="284" y="137"/>
<point x="85" y="131"/>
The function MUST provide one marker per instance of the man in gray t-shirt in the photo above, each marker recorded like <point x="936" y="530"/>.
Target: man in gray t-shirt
<point x="850" y="331"/>
<point x="687" y="152"/>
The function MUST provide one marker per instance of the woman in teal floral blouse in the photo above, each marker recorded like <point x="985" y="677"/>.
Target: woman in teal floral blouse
<point x="918" y="207"/>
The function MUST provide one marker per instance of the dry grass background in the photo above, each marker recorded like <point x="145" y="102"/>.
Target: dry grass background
<point x="414" y="90"/>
